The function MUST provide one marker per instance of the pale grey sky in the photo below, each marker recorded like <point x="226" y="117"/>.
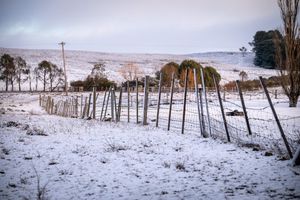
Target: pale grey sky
<point x="141" y="26"/>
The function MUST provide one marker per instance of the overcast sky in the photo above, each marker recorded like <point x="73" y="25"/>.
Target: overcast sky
<point x="140" y="26"/>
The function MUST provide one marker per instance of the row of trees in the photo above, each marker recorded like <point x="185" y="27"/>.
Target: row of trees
<point x="15" y="69"/>
<point x="96" y="78"/>
<point x="179" y="71"/>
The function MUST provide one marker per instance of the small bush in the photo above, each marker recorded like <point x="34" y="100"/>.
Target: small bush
<point x="180" y="166"/>
<point x="113" y="147"/>
<point x="35" y="131"/>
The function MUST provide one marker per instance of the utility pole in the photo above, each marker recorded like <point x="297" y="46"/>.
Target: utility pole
<point x="64" y="63"/>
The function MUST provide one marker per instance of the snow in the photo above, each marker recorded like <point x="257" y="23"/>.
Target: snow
<point x="80" y="63"/>
<point x="89" y="159"/>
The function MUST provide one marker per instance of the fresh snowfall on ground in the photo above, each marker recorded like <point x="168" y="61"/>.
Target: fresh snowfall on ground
<point x="50" y="157"/>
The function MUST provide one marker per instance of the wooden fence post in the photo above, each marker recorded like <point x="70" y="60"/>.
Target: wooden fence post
<point x="76" y="106"/>
<point x="107" y="101"/>
<point x="222" y="108"/>
<point x="159" y="97"/>
<point x="202" y="114"/>
<point x="276" y="117"/>
<point x="128" y="102"/>
<point x="52" y="106"/>
<point x="120" y="105"/>
<point x="205" y="97"/>
<point x="40" y="100"/>
<point x="112" y="104"/>
<point x="89" y="105"/>
<point x="81" y="102"/>
<point x="115" y="106"/>
<point x="243" y="106"/>
<point x="84" y="108"/>
<point x="171" y="100"/>
<point x="137" y="100"/>
<point x="197" y="100"/>
<point x="184" y="100"/>
<point x="94" y="102"/>
<point x="146" y="92"/>
<point x="103" y="104"/>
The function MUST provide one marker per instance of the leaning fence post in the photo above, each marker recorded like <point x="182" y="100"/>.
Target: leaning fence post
<point x="115" y="106"/>
<point x="197" y="100"/>
<point x="158" y="102"/>
<point x="171" y="100"/>
<point x="146" y="88"/>
<point x="107" y="101"/>
<point x="137" y="100"/>
<point x="89" y="105"/>
<point x="120" y="105"/>
<point x="222" y="108"/>
<point x="84" y="108"/>
<point x="128" y="102"/>
<point x="205" y="97"/>
<point x="276" y="117"/>
<point x="184" y="100"/>
<point x="103" y="104"/>
<point x="243" y="105"/>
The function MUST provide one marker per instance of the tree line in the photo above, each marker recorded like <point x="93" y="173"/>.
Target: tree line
<point x="179" y="71"/>
<point x="16" y="70"/>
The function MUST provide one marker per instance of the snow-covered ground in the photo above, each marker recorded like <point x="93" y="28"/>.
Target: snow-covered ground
<point x="80" y="63"/>
<point x="79" y="159"/>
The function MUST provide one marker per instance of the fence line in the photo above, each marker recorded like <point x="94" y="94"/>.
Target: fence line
<point x="120" y="104"/>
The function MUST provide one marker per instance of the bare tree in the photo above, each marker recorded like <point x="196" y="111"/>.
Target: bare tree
<point x="243" y="75"/>
<point x="243" y="50"/>
<point x="99" y="70"/>
<point x="130" y="71"/>
<point x="289" y="64"/>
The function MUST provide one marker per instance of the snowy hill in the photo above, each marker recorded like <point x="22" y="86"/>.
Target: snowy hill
<point x="80" y="63"/>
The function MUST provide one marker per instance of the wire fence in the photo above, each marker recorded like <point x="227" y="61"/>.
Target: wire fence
<point x="202" y="116"/>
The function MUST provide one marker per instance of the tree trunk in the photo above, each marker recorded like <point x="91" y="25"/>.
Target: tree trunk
<point x="36" y="84"/>
<point x="6" y="84"/>
<point x="293" y="100"/>
<point x="19" y="86"/>
<point x="12" y="85"/>
<point x="44" y="81"/>
<point x="19" y="81"/>
<point x="29" y="82"/>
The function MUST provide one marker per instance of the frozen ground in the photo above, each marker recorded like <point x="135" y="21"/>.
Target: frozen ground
<point x="80" y="63"/>
<point x="79" y="159"/>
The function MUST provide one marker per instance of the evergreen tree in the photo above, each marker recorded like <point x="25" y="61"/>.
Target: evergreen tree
<point x="264" y="47"/>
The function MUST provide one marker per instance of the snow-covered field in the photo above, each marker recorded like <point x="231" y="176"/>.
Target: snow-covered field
<point x="87" y="159"/>
<point x="80" y="63"/>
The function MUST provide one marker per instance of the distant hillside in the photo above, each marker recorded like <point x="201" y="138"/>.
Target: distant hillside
<point x="80" y="63"/>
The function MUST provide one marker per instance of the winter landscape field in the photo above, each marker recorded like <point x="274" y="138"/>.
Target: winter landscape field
<point x="52" y="157"/>
<point x="149" y="100"/>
